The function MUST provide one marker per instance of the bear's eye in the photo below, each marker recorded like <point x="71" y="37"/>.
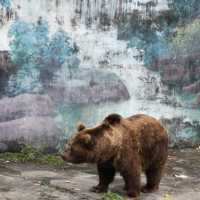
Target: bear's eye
<point x="72" y="149"/>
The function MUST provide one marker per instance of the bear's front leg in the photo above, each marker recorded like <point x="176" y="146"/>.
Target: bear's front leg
<point x="106" y="173"/>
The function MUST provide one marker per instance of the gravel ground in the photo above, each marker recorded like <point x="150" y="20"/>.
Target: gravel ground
<point x="181" y="180"/>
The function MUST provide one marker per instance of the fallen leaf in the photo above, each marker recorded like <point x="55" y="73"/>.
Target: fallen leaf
<point x="168" y="196"/>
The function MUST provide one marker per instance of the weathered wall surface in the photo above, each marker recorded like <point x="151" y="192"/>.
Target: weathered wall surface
<point x="28" y="120"/>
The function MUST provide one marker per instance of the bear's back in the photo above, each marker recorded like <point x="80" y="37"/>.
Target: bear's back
<point x="151" y="137"/>
<point x="147" y="126"/>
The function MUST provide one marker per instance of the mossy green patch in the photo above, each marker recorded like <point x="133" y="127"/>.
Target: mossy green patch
<point x="112" y="196"/>
<point x="30" y="154"/>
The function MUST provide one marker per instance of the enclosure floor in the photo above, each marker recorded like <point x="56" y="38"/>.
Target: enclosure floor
<point x="32" y="182"/>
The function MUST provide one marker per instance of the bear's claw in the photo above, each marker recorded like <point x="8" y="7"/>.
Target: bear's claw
<point x="146" y="189"/>
<point x="98" y="189"/>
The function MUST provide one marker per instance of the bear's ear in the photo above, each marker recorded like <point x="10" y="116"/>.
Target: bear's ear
<point x="87" y="141"/>
<point x="113" y="119"/>
<point x="80" y="127"/>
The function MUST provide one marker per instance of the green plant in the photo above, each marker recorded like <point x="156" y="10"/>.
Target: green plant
<point x="112" y="196"/>
<point x="32" y="155"/>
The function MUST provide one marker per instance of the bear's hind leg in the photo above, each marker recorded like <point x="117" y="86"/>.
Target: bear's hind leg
<point x="132" y="182"/>
<point x="106" y="175"/>
<point x="153" y="176"/>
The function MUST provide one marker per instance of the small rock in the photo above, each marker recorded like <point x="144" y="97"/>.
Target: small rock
<point x="39" y="132"/>
<point x="181" y="176"/>
<point x="89" y="86"/>
<point x="25" y="105"/>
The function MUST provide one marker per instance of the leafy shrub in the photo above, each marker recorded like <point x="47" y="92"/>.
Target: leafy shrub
<point x="146" y="37"/>
<point x="5" y="3"/>
<point x="187" y="39"/>
<point x="23" y="43"/>
<point x="31" y="44"/>
<point x="185" y="9"/>
<point x="112" y="196"/>
<point x="60" y="47"/>
<point x="36" y="53"/>
<point x="30" y="154"/>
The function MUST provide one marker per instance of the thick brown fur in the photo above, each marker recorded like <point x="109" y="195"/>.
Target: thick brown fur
<point x="126" y="145"/>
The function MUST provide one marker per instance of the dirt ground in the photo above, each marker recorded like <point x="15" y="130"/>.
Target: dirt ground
<point x="181" y="180"/>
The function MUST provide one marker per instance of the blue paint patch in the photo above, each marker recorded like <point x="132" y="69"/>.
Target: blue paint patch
<point x="35" y="52"/>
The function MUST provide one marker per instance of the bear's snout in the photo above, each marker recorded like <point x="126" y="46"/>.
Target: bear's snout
<point x="63" y="156"/>
<point x="68" y="157"/>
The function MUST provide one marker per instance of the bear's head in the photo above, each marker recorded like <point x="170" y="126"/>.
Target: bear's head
<point x="91" y="145"/>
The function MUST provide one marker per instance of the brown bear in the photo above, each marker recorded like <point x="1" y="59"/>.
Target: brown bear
<point x="125" y="145"/>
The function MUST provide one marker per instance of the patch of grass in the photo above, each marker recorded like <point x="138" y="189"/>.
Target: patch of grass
<point x="30" y="154"/>
<point x="112" y="196"/>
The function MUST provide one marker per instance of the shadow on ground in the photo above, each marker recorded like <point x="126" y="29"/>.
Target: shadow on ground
<point x="32" y="182"/>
